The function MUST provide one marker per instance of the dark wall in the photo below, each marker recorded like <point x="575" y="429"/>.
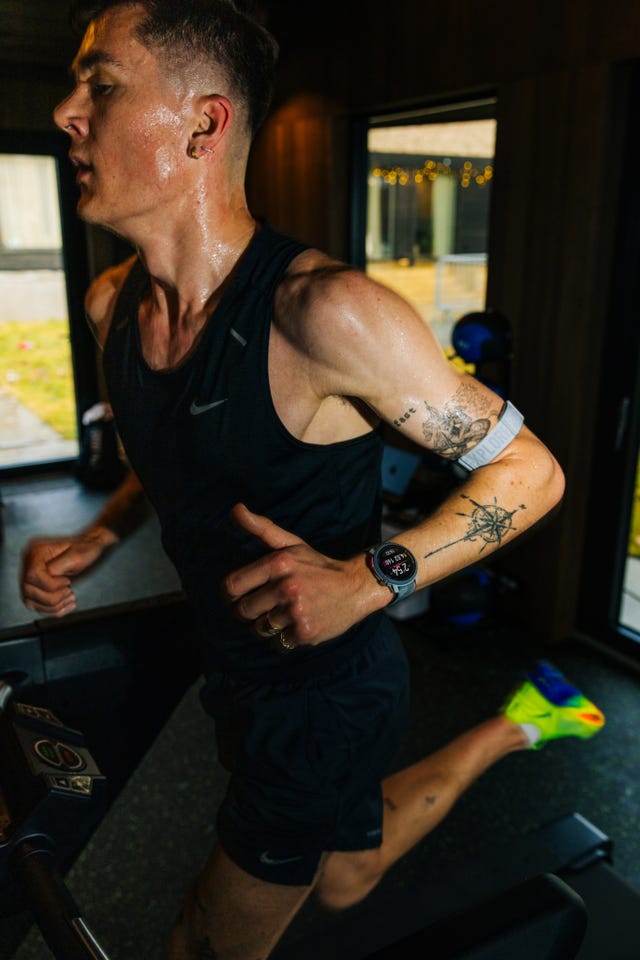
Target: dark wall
<point x="557" y="69"/>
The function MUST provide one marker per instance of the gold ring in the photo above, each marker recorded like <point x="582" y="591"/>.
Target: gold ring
<point x="284" y="643"/>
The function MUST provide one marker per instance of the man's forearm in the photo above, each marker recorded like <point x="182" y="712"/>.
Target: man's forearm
<point x="123" y="512"/>
<point x="487" y="512"/>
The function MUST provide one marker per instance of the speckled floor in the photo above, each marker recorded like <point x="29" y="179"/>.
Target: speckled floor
<point x="130" y="879"/>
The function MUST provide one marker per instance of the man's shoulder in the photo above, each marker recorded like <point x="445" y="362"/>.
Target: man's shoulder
<point x="333" y="315"/>
<point x="314" y="266"/>
<point x="320" y="291"/>
<point x="314" y="279"/>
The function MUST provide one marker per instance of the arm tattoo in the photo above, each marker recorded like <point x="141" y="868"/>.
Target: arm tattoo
<point x="452" y="433"/>
<point x="405" y="416"/>
<point x="487" y="522"/>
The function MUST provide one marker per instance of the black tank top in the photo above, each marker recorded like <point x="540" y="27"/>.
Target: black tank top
<point x="205" y="435"/>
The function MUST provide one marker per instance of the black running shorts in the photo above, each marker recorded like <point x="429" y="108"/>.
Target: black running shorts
<point x="306" y="759"/>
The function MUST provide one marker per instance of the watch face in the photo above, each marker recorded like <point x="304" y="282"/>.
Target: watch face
<point x="396" y="563"/>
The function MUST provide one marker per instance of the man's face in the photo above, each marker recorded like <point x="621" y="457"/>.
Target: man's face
<point x="129" y="125"/>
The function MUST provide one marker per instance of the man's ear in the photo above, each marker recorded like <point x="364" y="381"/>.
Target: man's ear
<point x="214" y="115"/>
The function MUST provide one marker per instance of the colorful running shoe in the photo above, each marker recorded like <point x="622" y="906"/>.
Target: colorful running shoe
<point x="548" y="701"/>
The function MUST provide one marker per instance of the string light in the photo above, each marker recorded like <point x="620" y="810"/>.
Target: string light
<point x="468" y="173"/>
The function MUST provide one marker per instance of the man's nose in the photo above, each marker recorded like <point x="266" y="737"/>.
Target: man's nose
<point x="67" y="116"/>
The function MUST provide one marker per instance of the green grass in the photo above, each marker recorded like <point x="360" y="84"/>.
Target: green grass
<point x="36" y="368"/>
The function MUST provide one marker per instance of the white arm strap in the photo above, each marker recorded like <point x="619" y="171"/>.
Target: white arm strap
<point x="507" y="427"/>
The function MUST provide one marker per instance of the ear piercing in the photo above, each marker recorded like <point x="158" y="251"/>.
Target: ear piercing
<point x="193" y="151"/>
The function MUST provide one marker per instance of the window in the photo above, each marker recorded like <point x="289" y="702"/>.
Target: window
<point x="427" y="209"/>
<point x="43" y="276"/>
<point x="609" y="607"/>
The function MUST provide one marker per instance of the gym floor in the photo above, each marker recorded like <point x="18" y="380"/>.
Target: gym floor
<point x="130" y="878"/>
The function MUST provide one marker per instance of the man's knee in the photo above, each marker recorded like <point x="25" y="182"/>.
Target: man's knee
<point x="347" y="878"/>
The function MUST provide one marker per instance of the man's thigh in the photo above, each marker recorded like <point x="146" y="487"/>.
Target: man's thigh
<point x="306" y="763"/>
<point x="231" y="915"/>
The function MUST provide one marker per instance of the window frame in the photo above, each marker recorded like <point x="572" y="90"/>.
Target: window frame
<point x="480" y="106"/>
<point x="75" y="263"/>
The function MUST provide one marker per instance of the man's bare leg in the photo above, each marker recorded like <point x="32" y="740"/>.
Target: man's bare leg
<point x="230" y="915"/>
<point x="416" y="799"/>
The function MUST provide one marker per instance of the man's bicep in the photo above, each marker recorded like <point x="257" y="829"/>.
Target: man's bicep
<point x="446" y="412"/>
<point x="382" y="351"/>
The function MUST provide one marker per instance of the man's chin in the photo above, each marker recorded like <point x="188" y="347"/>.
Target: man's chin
<point x="83" y="206"/>
<point x="87" y="211"/>
<point x="89" y="216"/>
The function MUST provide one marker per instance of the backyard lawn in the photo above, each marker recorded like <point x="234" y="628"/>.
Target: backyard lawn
<point x="35" y="367"/>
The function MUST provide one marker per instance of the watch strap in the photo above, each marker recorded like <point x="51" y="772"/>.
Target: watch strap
<point x="401" y="592"/>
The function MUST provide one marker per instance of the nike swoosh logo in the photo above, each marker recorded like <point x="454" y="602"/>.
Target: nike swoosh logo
<point x="197" y="408"/>
<point x="272" y="862"/>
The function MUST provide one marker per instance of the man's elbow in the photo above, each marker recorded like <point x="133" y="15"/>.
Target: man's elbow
<point x="540" y="473"/>
<point x="554" y="484"/>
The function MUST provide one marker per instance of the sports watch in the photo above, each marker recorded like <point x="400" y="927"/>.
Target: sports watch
<point x="395" y="567"/>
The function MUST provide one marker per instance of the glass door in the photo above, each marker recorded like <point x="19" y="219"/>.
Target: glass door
<point x="47" y="362"/>
<point x="37" y="404"/>
<point x="629" y="616"/>
<point x="427" y="209"/>
<point x="610" y="588"/>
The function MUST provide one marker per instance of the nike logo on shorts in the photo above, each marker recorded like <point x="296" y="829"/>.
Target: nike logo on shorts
<point x="197" y="408"/>
<point x="265" y="857"/>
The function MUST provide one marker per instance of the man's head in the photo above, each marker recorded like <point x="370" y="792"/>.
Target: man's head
<point x="215" y="32"/>
<point x="159" y="85"/>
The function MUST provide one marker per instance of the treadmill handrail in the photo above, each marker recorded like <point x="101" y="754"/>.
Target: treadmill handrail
<point x="63" y="928"/>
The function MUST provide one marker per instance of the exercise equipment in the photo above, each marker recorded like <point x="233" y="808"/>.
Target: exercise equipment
<point x="465" y="599"/>
<point x="551" y="894"/>
<point x="529" y="898"/>
<point x="542" y="918"/>
<point x="109" y="672"/>
<point x="52" y="795"/>
<point x="483" y="338"/>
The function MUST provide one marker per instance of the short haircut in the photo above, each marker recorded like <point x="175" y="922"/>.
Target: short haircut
<point x="218" y="31"/>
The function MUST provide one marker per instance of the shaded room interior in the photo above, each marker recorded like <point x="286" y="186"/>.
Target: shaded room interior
<point x="557" y="258"/>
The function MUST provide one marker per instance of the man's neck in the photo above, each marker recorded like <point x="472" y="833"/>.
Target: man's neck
<point x="192" y="269"/>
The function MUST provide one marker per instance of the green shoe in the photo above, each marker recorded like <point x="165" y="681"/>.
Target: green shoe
<point x="547" y="701"/>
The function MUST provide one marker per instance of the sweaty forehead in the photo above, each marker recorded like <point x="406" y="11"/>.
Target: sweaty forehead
<point x="109" y="40"/>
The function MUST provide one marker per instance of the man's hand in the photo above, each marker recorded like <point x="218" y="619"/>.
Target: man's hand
<point x="295" y="588"/>
<point x="49" y="565"/>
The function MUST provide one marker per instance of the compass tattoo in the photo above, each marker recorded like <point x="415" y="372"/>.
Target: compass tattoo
<point x="487" y="522"/>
